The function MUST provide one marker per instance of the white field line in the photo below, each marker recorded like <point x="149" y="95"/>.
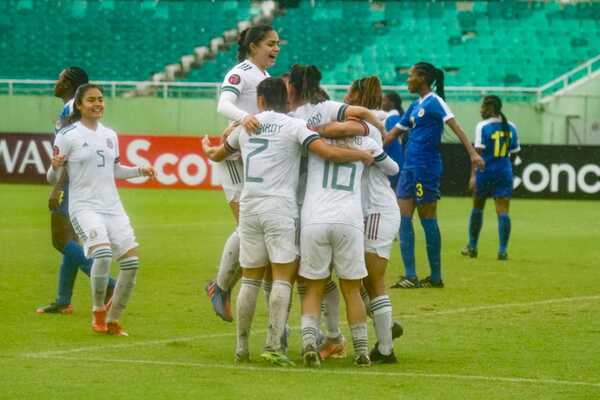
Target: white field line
<point x="340" y="372"/>
<point x="463" y="310"/>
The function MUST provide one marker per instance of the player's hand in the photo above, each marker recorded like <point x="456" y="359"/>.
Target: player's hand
<point x="207" y="148"/>
<point x="229" y="129"/>
<point x="367" y="158"/>
<point x="58" y="161"/>
<point x="54" y="201"/>
<point x="472" y="183"/>
<point x="250" y="123"/>
<point x="477" y="161"/>
<point x="148" y="171"/>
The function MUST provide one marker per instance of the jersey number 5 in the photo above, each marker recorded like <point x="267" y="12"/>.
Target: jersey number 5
<point x="101" y="160"/>
<point x="262" y="146"/>
<point x="335" y="172"/>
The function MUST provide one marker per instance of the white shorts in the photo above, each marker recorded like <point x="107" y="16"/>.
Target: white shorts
<point x="380" y="231"/>
<point x="339" y="244"/>
<point x="94" y="228"/>
<point x="267" y="238"/>
<point x="230" y="175"/>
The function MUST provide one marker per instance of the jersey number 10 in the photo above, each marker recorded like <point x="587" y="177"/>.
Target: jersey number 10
<point x="335" y="172"/>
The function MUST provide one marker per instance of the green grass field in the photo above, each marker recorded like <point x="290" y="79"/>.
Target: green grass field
<point x="525" y="329"/>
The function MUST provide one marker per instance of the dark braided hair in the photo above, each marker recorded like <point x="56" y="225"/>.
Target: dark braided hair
<point x="496" y="104"/>
<point x="305" y="80"/>
<point x="433" y="76"/>
<point x="248" y="36"/>
<point x="274" y="91"/>
<point x="77" y="100"/>
<point x="396" y="101"/>
<point x="76" y="76"/>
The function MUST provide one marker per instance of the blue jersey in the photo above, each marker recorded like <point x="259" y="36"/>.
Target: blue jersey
<point x="395" y="149"/>
<point x="425" y="120"/>
<point x="496" y="148"/>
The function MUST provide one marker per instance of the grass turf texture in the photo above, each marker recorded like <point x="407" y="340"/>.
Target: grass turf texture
<point x="526" y="328"/>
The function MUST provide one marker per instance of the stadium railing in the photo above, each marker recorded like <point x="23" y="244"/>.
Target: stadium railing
<point x="558" y="85"/>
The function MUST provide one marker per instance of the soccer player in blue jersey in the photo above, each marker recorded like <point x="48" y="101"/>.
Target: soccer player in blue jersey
<point x="496" y="139"/>
<point x="392" y="104"/>
<point x="419" y="183"/>
<point x="63" y="237"/>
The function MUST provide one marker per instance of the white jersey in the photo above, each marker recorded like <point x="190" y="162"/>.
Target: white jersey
<point x="271" y="162"/>
<point x="243" y="80"/>
<point x="91" y="157"/>
<point x="333" y="190"/>
<point x="377" y="194"/>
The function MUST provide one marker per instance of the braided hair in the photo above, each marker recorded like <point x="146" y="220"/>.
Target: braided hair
<point x="76" y="76"/>
<point x="495" y="103"/>
<point x="433" y="76"/>
<point x="248" y="36"/>
<point x="305" y="80"/>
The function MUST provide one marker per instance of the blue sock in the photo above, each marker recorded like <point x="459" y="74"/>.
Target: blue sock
<point x="475" y="224"/>
<point x="503" y="231"/>
<point x="434" y="247"/>
<point x="407" y="247"/>
<point x="67" y="273"/>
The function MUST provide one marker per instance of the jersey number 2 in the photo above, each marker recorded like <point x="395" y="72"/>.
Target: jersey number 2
<point x="262" y="146"/>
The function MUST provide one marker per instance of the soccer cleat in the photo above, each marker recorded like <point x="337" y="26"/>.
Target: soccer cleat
<point x="99" y="321"/>
<point x="468" y="251"/>
<point x="311" y="357"/>
<point x="428" y="283"/>
<point x="277" y="358"/>
<point x="54" y="308"/>
<point x="503" y="256"/>
<point x="242" y="357"/>
<point x="220" y="300"/>
<point x="115" y="329"/>
<point x="333" y="348"/>
<point x="397" y="330"/>
<point x="378" y="358"/>
<point x="362" y="360"/>
<point x="406" y="283"/>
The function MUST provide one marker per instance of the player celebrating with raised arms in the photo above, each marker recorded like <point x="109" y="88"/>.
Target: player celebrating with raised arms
<point x="90" y="152"/>
<point x="419" y="183"/>
<point x="258" y="50"/>
<point x="269" y="210"/>
<point x="496" y="138"/>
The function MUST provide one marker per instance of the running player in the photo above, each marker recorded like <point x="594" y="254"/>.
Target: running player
<point x="258" y="50"/>
<point x="419" y="184"/>
<point x="307" y="101"/>
<point x="64" y="238"/>
<point x="90" y="152"/>
<point x="496" y="139"/>
<point x="269" y="210"/>
<point x="332" y="235"/>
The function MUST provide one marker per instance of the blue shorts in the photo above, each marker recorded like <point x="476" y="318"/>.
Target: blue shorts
<point x="496" y="184"/>
<point x="419" y="184"/>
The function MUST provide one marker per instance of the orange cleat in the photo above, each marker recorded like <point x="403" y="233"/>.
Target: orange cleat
<point x="114" y="328"/>
<point x="333" y="348"/>
<point x="99" y="321"/>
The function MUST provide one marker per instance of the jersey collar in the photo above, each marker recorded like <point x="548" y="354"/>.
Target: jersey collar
<point x="422" y="99"/>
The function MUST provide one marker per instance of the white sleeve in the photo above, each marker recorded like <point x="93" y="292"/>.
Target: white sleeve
<point x="382" y="160"/>
<point x="62" y="146"/>
<point x="478" y="136"/>
<point x="306" y="136"/>
<point x="125" y="172"/>
<point x="446" y="113"/>
<point x="380" y="114"/>
<point x="334" y="111"/>
<point x="229" y="110"/>
<point x="232" y="143"/>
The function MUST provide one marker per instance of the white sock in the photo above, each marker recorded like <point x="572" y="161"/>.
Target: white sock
<point x="278" y="311"/>
<point x="267" y="288"/>
<point x="99" y="276"/>
<point x="381" y="309"/>
<point x="246" y="304"/>
<point x="229" y="267"/>
<point x="331" y="310"/>
<point x="124" y="287"/>
<point x="360" y="339"/>
<point x="310" y="330"/>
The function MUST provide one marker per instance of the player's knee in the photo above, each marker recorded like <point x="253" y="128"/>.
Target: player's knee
<point x="129" y="263"/>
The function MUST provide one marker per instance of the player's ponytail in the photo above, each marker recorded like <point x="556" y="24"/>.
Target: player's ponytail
<point x="77" y="100"/>
<point x="439" y="83"/>
<point x="366" y="92"/>
<point x="274" y="93"/>
<point x="306" y="79"/>
<point x="495" y="103"/>
<point x="433" y="77"/>
<point x="253" y="35"/>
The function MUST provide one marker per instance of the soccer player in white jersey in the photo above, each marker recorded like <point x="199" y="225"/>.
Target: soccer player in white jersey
<point x="90" y="152"/>
<point x="382" y="221"/>
<point x="258" y="50"/>
<point x="332" y="234"/>
<point x="307" y="102"/>
<point x="269" y="209"/>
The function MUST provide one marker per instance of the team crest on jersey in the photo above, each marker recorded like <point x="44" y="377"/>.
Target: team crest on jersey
<point x="55" y="151"/>
<point x="421" y="113"/>
<point x="109" y="143"/>
<point x="234" y="79"/>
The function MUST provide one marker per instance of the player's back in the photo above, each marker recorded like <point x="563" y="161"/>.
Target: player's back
<point x="496" y="144"/>
<point x="271" y="159"/>
<point x="243" y="80"/>
<point x="333" y="190"/>
<point x="377" y="193"/>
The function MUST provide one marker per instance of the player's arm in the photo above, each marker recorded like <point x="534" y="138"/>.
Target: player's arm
<point x="476" y="159"/>
<point x="220" y="152"/>
<point x="232" y="86"/>
<point x="54" y="198"/>
<point x="126" y="172"/>
<point x="339" y="154"/>
<point x="386" y="164"/>
<point x="366" y="115"/>
<point x="396" y="132"/>
<point x="60" y="151"/>
<point x="348" y="128"/>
